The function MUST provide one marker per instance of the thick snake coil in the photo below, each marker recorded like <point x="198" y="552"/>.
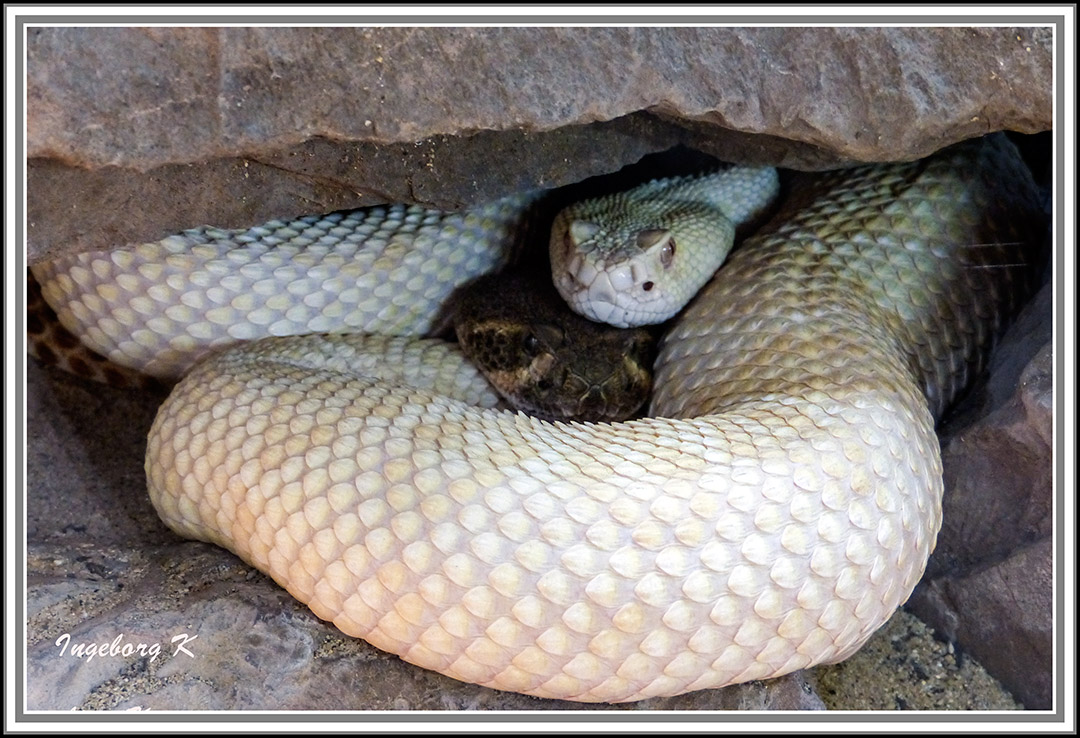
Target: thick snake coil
<point x="776" y="511"/>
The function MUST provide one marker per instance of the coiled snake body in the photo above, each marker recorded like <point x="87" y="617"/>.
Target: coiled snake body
<point x="776" y="510"/>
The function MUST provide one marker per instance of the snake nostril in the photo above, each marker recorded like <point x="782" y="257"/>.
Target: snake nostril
<point x="647" y="286"/>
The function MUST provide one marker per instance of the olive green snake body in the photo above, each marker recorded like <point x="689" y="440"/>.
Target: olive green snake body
<point x="774" y="511"/>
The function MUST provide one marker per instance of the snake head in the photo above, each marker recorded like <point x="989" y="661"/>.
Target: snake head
<point x="592" y="373"/>
<point x="629" y="261"/>
<point x="548" y="361"/>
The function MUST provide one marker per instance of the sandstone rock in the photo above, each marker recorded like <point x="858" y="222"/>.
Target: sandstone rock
<point x="234" y="126"/>
<point x="1002" y="614"/>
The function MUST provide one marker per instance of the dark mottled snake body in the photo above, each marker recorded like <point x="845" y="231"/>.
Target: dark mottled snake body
<point x="774" y="512"/>
<point x="546" y="360"/>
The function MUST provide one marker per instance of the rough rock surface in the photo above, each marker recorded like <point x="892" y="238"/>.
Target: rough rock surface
<point x="234" y="126"/>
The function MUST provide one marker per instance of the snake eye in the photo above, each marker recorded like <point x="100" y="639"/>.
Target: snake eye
<point x="649" y="237"/>
<point x="667" y="253"/>
<point x="531" y="344"/>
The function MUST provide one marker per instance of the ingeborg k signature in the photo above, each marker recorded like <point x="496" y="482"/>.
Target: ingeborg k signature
<point x="120" y="647"/>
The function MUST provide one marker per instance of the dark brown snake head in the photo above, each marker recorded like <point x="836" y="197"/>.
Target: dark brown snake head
<point x="547" y="361"/>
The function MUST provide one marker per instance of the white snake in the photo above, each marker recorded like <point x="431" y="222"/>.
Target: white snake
<point x="777" y="510"/>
